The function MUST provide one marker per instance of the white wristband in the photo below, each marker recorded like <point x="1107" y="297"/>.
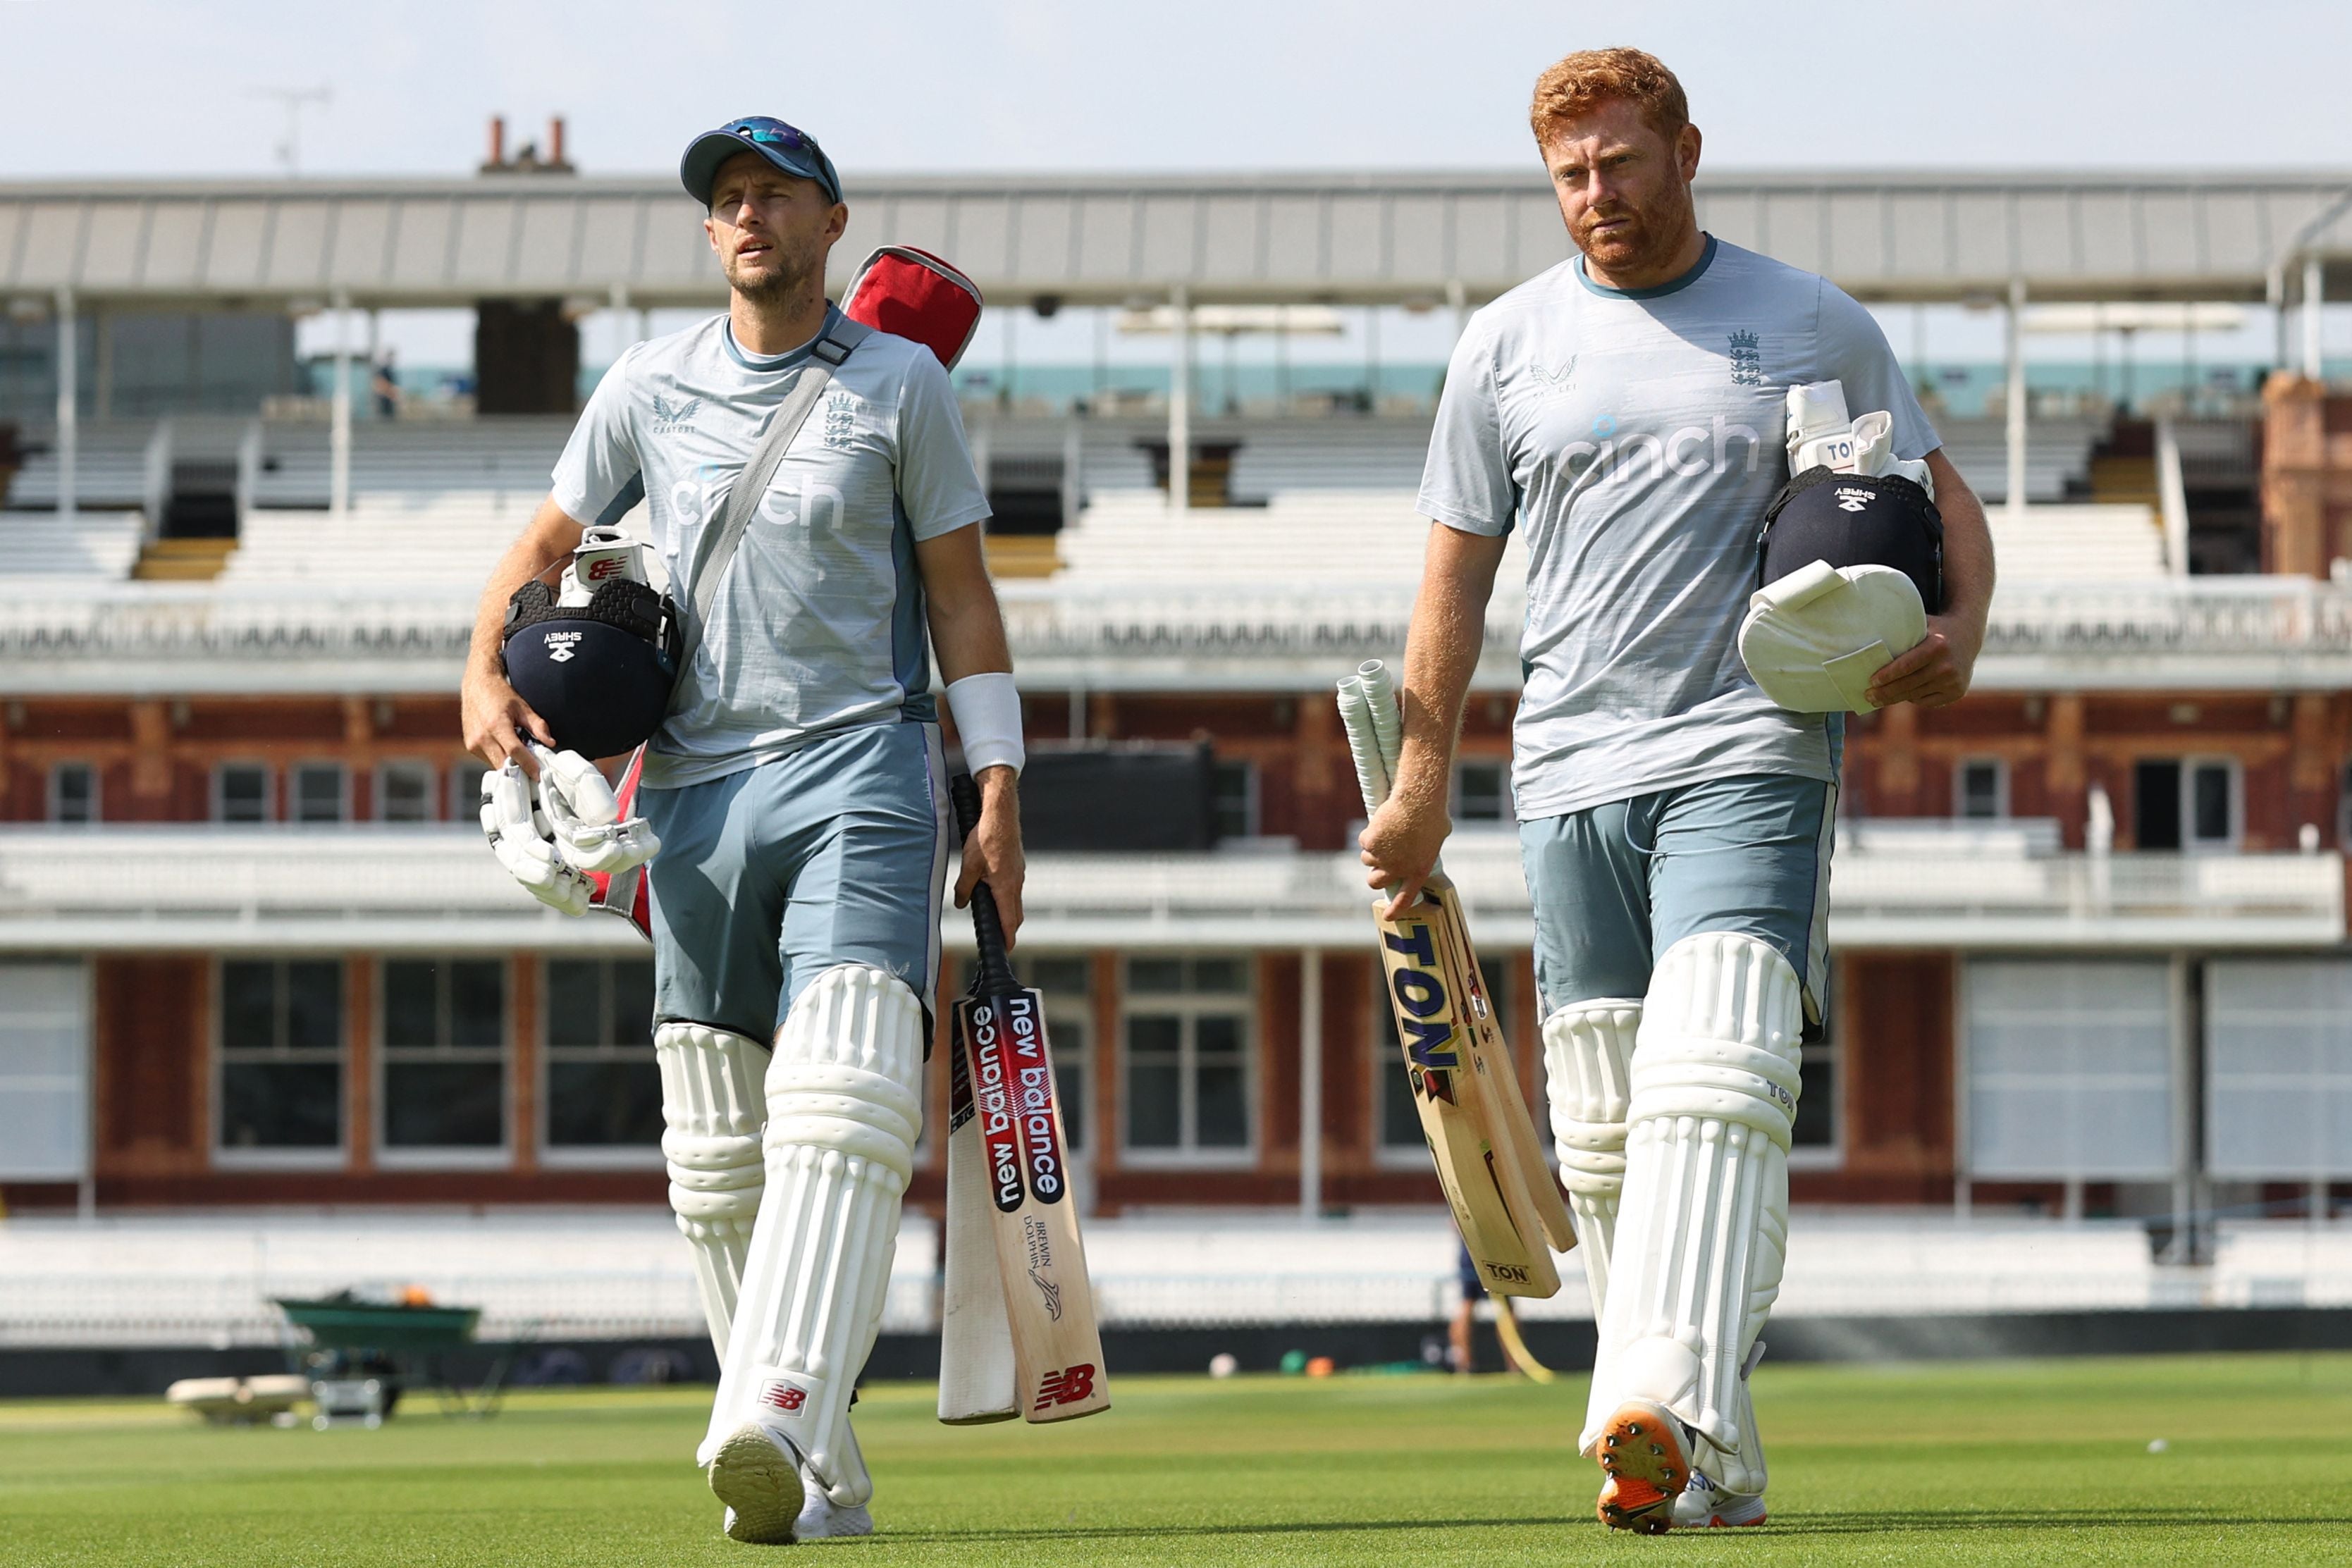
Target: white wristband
<point x="987" y="709"/>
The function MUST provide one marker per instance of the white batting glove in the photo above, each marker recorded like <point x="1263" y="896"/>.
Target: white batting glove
<point x="519" y="837"/>
<point x="1821" y="435"/>
<point x="584" y="819"/>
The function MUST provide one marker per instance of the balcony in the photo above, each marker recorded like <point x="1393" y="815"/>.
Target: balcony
<point x="342" y="636"/>
<point x="437" y="889"/>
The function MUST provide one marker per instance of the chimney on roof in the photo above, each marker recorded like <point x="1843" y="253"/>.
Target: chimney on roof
<point x="526" y="159"/>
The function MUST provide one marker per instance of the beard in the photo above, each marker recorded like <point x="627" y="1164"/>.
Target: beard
<point x="788" y="271"/>
<point x="1645" y="240"/>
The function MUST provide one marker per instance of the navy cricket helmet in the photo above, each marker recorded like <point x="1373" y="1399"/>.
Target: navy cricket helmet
<point x="600" y="673"/>
<point x="1854" y="520"/>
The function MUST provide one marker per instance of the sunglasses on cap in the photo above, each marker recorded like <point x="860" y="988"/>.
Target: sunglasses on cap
<point x="788" y="147"/>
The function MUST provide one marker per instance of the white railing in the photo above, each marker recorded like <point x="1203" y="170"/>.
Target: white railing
<point x="1895" y="1265"/>
<point x="190" y="876"/>
<point x="1067" y="625"/>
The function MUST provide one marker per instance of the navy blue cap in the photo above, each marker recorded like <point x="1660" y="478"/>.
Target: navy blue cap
<point x="788" y="147"/>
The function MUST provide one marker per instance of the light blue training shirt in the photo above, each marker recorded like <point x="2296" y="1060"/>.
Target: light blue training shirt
<point x="818" y="626"/>
<point x="1636" y="437"/>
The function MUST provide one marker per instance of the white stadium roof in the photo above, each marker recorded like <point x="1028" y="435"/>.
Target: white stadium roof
<point x="1113" y="239"/>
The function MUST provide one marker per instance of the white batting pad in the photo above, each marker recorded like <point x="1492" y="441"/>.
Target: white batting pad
<point x="520" y="836"/>
<point x="1813" y="639"/>
<point x="844" y="1111"/>
<point x="1588" y="1076"/>
<point x="1743" y="1470"/>
<point x="1703" y="1226"/>
<point x="583" y="817"/>
<point x="712" y="1106"/>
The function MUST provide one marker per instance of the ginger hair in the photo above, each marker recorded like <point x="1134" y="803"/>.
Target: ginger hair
<point x="1571" y="88"/>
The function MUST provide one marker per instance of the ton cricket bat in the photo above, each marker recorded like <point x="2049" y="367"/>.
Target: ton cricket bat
<point x="1506" y="1203"/>
<point x="1002" y="1086"/>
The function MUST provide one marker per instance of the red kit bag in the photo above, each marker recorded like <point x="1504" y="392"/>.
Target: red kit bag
<point x="901" y="290"/>
<point x="913" y="294"/>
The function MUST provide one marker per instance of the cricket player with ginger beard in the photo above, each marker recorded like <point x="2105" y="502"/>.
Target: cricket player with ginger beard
<point x="798" y="791"/>
<point x="1625" y="409"/>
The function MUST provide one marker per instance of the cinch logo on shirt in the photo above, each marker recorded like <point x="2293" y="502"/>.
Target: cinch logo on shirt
<point x="1690" y="452"/>
<point x="670" y="419"/>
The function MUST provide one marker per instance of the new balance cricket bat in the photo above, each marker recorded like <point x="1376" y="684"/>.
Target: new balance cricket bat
<point x="1506" y="1203"/>
<point x="1007" y="1175"/>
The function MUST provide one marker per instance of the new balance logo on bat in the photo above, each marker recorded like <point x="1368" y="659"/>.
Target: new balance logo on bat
<point x="1032" y="1099"/>
<point x="1425" y="1012"/>
<point x="993" y="1101"/>
<point x="1065" y="1386"/>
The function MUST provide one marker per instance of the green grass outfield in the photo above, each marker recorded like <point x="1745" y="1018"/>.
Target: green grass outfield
<point x="1963" y="1463"/>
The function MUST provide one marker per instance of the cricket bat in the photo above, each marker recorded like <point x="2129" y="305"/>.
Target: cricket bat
<point x="1007" y="1123"/>
<point x="1505" y="1201"/>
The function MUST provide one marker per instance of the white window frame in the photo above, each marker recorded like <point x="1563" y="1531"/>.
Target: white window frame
<point x="2000" y="766"/>
<point x="1190" y="1007"/>
<point x="221" y="771"/>
<point x="466" y="789"/>
<point x="57" y="793"/>
<point x="227" y="1156"/>
<point x="1831" y="1155"/>
<point x="2273" y="994"/>
<point x="1252" y="823"/>
<point x="2235" y="773"/>
<point x="294" y="791"/>
<point x="584" y="1157"/>
<point x="1978" y="976"/>
<point x="1502" y="765"/>
<point x="416" y="766"/>
<point x="2187" y="765"/>
<point x="1062" y="1007"/>
<point x="446" y="1156"/>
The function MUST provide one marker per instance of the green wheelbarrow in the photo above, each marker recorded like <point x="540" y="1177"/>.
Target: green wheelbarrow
<point x="362" y="1355"/>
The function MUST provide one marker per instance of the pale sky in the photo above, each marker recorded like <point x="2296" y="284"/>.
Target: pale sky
<point x="135" y="87"/>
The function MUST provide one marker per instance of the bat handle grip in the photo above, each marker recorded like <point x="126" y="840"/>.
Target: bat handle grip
<point x="987" y="921"/>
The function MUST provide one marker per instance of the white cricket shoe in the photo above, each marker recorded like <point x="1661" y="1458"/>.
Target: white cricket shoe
<point x="822" y="1519"/>
<point x="1706" y="1505"/>
<point x="759" y="1479"/>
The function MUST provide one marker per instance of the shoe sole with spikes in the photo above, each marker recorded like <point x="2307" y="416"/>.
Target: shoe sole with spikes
<point x="761" y="1484"/>
<point x="1641" y="1451"/>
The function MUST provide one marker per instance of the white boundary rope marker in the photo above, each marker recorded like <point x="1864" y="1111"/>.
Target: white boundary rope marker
<point x="1506" y="1203"/>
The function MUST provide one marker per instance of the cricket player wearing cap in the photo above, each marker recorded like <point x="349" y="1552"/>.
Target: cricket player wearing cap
<point x="1625" y="410"/>
<point x="797" y="790"/>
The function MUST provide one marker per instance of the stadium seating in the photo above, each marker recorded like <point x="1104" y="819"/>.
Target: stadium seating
<point x="446" y="538"/>
<point x="110" y="474"/>
<point x="89" y="544"/>
<point x="2108" y="544"/>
